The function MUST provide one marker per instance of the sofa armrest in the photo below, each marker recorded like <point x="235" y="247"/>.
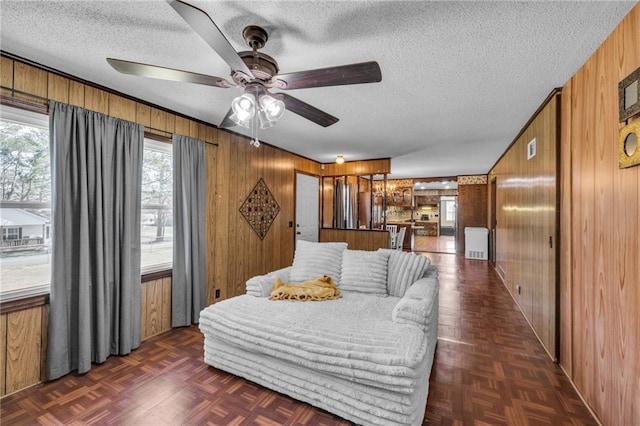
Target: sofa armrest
<point x="261" y="285"/>
<point x="419" y="305"/>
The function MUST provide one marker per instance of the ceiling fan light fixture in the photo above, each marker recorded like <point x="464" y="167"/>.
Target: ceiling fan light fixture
<point x="243" y="107"/>
<point x="265" y="122"/>
<point x="340" y="159"/>
<point x="273" y="108"/>
<point x="243" y="123"/>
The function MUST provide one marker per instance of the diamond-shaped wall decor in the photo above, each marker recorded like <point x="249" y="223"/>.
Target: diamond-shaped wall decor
<point x="260" y="209"/>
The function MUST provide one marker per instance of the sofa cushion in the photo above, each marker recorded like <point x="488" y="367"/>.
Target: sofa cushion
<point x="313" y="260"/>
<point x="364" y="271"/>
<point x="403" y="270"/>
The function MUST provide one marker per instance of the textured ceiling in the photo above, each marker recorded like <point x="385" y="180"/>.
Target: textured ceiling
<point x="459" y="79"/>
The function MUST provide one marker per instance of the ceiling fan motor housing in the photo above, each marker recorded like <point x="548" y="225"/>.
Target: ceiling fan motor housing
<point x="263" y="67"/>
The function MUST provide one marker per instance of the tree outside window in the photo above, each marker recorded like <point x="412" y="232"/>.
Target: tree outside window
<point x="157" y="198"/>
<point x="25" y="203"/>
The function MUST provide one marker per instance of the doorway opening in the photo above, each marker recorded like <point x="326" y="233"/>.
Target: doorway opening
<point x="435" y="214"/>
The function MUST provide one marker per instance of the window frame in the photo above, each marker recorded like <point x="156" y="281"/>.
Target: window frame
<point x="39" y="120"/>
<point x="40" y="293"/>
<point x="165" y="145"/>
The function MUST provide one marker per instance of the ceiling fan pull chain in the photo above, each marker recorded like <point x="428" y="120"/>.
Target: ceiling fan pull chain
<point x="254" y="130"/>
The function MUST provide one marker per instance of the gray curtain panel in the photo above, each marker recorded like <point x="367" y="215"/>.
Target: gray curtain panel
<point x="95" y="280"/>
<point x="189" y="193"/>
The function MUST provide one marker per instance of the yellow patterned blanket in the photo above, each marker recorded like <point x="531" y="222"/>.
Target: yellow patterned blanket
<point x="322" y="288"/>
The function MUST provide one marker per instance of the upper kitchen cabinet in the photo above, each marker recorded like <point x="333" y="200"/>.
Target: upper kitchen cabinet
<point x="427" y="200"/>
<point x="400" y="192"/>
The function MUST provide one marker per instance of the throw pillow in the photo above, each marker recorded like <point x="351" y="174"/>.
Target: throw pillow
<point x="313" y="260"/>
<point x="364" y="271"/>
<point x="404" y="269"/>
<point x="412" y="311"/>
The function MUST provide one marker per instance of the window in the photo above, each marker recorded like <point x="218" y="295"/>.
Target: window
<point x="10" y="233"/>
<point x="156" y="230"/>
<point x="25" y="203"/>
<point x="450" y="209"/>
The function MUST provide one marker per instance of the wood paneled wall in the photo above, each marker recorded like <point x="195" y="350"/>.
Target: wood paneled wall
<point x="472" y="208"/>
<point x="357" y="239"/>
<point x="238" y="253"/>
<point x="526" y="220"/>
<point x="22" y="347"/>
<point x="234" y="252"/>
<point x="600" y="262"/>
<point x="155" y="309"/>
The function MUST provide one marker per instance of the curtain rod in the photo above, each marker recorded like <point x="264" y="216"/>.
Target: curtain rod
<point x="43" y="107"/>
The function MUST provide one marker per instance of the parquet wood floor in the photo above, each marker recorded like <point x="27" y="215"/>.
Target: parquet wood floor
<point x="489" y="369"/>
<point x="442" y="244"/>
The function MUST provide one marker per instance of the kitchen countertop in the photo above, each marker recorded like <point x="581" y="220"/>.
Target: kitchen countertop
<point x="404" y="222"/>
<point x="413" y="225"/>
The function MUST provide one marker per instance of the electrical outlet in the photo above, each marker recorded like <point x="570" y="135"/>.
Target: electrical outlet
<point x="519" y="289"/>
<point x="217" y="293"/>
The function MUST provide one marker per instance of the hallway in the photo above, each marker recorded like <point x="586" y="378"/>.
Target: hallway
<point x="489" y="366"/>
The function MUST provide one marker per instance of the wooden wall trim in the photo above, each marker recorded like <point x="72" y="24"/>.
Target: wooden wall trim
<point x="151" y="276"/>
<point x="357" y="168"/>
<point x="9" y="306"/>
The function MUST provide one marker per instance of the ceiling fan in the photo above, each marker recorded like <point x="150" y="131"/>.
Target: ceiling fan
<point x="256" y="72"/>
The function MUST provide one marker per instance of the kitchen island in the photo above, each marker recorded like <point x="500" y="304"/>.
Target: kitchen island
<point x="430" y="228"/>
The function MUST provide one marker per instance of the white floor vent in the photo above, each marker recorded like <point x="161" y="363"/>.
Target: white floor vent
<point x="475" y="243"/>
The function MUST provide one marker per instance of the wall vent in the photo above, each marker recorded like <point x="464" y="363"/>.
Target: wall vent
<point x="476" y="254"/>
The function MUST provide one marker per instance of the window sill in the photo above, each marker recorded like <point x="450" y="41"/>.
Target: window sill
<point x="151" y="275"/>
<point x="25" y="302"/>
<point x="34" y="297"/>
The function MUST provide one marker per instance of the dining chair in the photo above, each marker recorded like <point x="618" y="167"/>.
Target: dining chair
<point x="393" y="233"/>
<point x="400" y="238"/>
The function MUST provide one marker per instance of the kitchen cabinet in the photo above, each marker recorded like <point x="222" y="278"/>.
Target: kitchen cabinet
<point x="423" y="200"/>
<point x="400" y="197"/>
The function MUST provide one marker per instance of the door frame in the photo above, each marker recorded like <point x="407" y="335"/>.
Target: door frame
<point x="493" y="223"/>
<point x="297" y="172"/>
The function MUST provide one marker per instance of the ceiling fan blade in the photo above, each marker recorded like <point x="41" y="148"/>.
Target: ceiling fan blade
<point x="162" y="73"/>
<point x="305" y="110"/>
<point x="227" y="121"/>
<point x="365" y="72"/>
<point x="202" y="24"/>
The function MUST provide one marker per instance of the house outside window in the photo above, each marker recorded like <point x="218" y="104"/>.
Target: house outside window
<point x="156" y="228"/>
<point x="25" y="203"/>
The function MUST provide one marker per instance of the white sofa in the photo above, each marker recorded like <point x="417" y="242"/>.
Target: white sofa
<point x="366" y="356"/>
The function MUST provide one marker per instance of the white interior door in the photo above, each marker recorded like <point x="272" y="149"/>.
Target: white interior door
<point x="307" y="207"/>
